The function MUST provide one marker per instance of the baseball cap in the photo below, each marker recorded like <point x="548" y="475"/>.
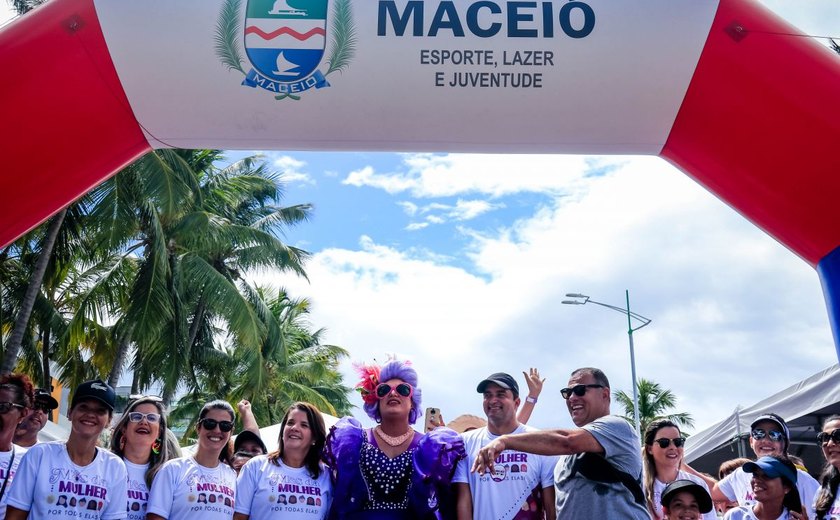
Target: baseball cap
<point x="772" y="467"/>
<point x="45" y="397"/>
<point x="500" y="378"/>
<point x="97" y="389"/>
<point x="773" y="418"/>
<point x="248" y="435"/>
<point x="704" y="500"/>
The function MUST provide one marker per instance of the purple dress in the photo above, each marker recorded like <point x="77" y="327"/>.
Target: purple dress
<point x="413" y="485"/>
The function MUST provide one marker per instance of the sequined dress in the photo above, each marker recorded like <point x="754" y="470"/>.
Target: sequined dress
<point x="414" y="485"/>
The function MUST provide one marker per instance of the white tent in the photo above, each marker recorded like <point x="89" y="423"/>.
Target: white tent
<point x="803" y="406"/>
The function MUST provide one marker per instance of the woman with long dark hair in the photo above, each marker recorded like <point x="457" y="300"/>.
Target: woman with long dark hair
<point x="202" y="485"/>
<point x="773" y="485"/>
<point x="139" y="439"/>
<point x="662" y="456"/>
<point x="391" y="471"/>
<point x="827" y="503"/>
<point x="294" y="469"/>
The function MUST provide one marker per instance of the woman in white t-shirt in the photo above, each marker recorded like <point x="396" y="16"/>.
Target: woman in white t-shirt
<point x="662" y="456"/>
<point x="139" y="439"/>
<point x="202" y="485"/>
<point x="290" y="482"/>
<point x="16" y="398"/>
<point x="827" y="503"/>
<point x="773" y="485"/>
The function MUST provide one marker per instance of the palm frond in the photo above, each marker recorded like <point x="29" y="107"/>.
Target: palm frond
<point x="227" y="28"/>
<point x="343" y="37"/>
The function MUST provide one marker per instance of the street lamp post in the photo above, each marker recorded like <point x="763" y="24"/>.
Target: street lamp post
<point x="582" y="299"/>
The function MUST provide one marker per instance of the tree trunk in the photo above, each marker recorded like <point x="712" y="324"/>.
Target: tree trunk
<point x="46" y="379"/>
<point x="37" y="278"/>
<point x="119" y="359"/>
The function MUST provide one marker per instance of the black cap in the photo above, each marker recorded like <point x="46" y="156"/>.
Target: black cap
<point x="248" y="435"/>
<point x="45" y="397"/>
<point x="704" y="500"/>
<point x="500" y="378"/>
<point x="99" y="390"/>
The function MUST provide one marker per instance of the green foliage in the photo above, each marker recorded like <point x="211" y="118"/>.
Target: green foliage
<point x="654" y="404"/>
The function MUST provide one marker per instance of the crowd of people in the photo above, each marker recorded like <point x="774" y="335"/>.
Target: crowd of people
<point x="498" y="468"/>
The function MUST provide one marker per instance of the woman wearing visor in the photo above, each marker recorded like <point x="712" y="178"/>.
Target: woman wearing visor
<point x="662" y="456"/>
<point x="139" y="439"/>
<point x="827" y="502"/>
<point x="201" y="485"/>
<point x="391" y="471"/>
<point x="773" y="484"/>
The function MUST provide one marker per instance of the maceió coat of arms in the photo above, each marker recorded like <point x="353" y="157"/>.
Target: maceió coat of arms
<point x="285" y="42"/>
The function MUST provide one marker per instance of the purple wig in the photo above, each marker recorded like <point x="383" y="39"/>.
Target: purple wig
<point x="402" y="370"/>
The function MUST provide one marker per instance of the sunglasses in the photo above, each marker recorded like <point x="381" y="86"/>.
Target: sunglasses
<point x="663" y="443"/>
<point x="403" y="389"/>
<point x="151" y="418"/>
<point x="5" y="407"/>
<point x="775" y="435"/>
<point x="43" y="407"/>
<point x="824" y="437"/>
<point x="210" y="424"/>
<point x="578" y="390"/>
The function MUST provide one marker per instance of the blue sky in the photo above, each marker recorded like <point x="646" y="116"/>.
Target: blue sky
<point x="460" y="262"/>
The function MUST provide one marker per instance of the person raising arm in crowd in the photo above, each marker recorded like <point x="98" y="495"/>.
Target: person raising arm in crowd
<point x="599" y="476"/>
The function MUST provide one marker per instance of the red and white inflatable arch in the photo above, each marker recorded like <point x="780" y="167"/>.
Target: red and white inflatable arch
<point x="724" y="89"/>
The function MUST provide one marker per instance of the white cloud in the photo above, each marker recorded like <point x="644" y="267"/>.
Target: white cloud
<point x="292" y="170"/>
<point x="429" y="175"/>
<point x="736" y="317"/>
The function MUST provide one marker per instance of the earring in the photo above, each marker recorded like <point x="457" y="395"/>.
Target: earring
<point x="156" y="447"/>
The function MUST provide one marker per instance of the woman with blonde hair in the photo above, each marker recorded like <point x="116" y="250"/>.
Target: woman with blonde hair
<point x="662" y="456"/>
<point x="139" y="439"/>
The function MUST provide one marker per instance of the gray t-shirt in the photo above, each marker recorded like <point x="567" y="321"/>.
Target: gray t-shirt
<point x="579" y="498"/>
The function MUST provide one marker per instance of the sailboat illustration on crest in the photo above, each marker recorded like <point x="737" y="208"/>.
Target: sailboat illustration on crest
<point x="285" y="66"/>
<point x="283" y="7"/>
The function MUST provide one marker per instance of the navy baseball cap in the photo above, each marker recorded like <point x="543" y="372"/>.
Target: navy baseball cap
<point x="772" y="467"/>
<point x="98" y="390"/>
<point x="704" y="500"/>
<point x="506" y="381"/>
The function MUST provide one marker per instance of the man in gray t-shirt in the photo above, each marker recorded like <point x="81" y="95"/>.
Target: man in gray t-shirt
<point x="578" y="497"/>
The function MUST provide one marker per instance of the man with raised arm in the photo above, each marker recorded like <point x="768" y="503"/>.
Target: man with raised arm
<point x="599" y="473"/>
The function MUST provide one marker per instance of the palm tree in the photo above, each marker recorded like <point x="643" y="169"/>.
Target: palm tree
<point x="654" y="404"/>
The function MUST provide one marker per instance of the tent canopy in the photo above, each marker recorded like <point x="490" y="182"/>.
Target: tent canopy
<point x="803" y="405"/>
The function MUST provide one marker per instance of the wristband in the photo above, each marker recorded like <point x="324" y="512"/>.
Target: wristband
<point x="532" y="400"/>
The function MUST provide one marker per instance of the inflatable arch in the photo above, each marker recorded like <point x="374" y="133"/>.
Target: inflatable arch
<point x="723" y="89"/>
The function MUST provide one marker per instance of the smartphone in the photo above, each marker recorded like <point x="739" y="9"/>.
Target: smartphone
<point x="433" y="419"/>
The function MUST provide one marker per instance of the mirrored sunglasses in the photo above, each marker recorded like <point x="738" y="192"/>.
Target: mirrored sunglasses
<point x="150" y="417"/>
<point x="775" y="435"/>
<point x="663" y="443"/>
<point x="210" y="424"/>
<point x="403" y="389"/>
<point x="824" y="437"/>
<point x="578" y="390"/>
<point x="6" y="406"/>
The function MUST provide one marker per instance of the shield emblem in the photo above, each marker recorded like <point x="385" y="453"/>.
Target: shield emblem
<point x="285" y="39"/>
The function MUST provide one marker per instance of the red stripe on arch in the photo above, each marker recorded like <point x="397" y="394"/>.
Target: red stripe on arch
<point x="759" y="126"/>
